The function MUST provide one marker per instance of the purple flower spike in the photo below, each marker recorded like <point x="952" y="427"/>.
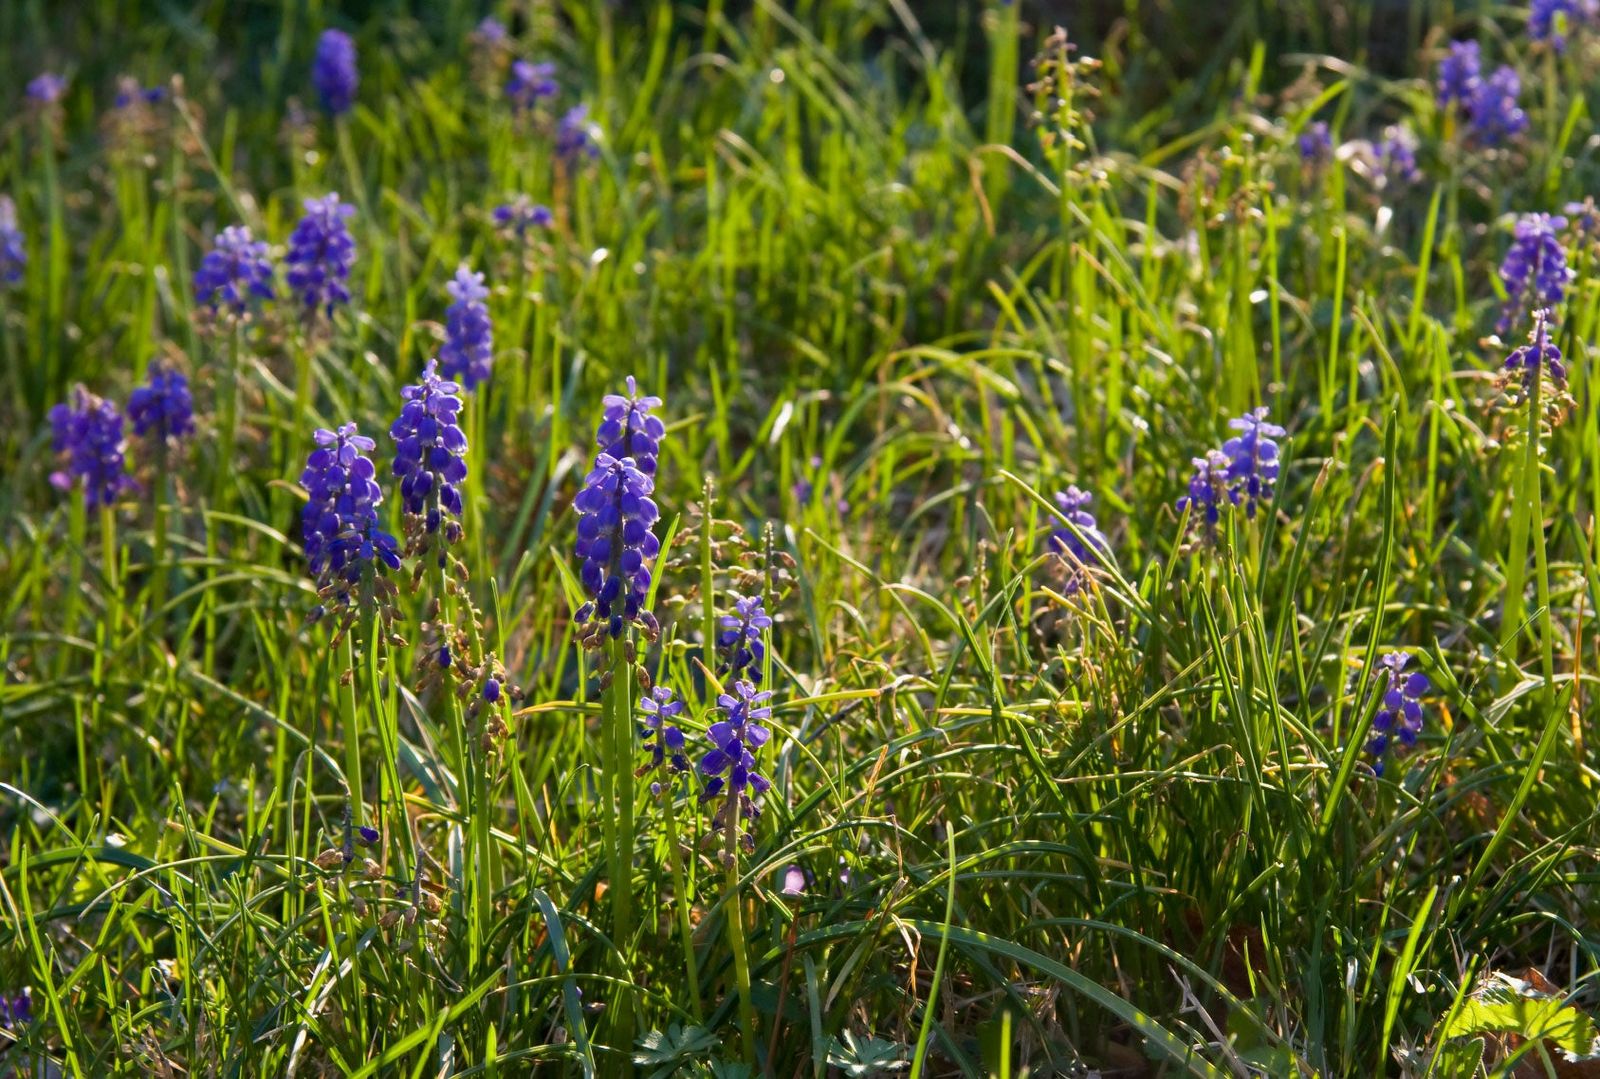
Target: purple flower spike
<point x="616" y="544"/>
<point x="662" y="738"/>
<point x="13" y="246"/>
<point x="521" y="216"/>
<point x="730" y="764"/>
<point x="87" y="430"/>
<point x="1496" y="117"/>
<point x="627" y="428"/>
<point x="234" y="272"/>
<point x="162" y="410"/>
<point x="1210" y="490"/>
<point x="345" y="547"/>
<point x="1460" y="74"/>
<point x="577" y="135"/>
<point x="530" y="83"/>
<point x="468" y="352"/>
<point x="321" y="254"/>
<point x="740" y="641"/>
<point x="430" y="452"/>
<point x="1316" y="144"/>
<point x="333" y="72"/>
<point x="1399" y="720"/>
<point x="1252" y="459"/>
<point x="1550" y="21"/>
<point x="47" y="89"/>
<point x="1079" y="555"/>
<point x="1539" y="356"/>
<point x="1534" y="272"/>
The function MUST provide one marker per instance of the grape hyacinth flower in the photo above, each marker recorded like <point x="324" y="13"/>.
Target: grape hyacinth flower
<point x="88" y="431"/>
<point x="430" y="454"/>
<point x="1550" y="21"/>
<point x="521" y="215"/>
<point x="16" y="1012"/>
<point x="1397" y="157"/>
<point x="617" y="547"/>
<point x="321" y="253"/>
<point x="730" y="764"/>
<point x="468" y="351"/>
<point x="1316" y="144"/>
<point x="627" y="428"/>
<point x="1460" y="75"/>
<point x="1078" y="553"/>
<point x="234" y="272"/>
<point x="162" y="410"/>
<point x="1539" y="356"/>
<point x="1495" y="115"/>
<point x="13" y="247"/>
<point x="662" y="738"/>
<point x="1399" y="720"/>
<point x="47" y="89"/>
<point x="130" y="93"/>
<point x="333" y="72"/>
<point x="489" y="32"/>
<point x="740" y="640"/>
<point x="1534" y="272"/>
<point x="530" y="83"/>
<point x="577" y="134"/>
<point x="345" y="547"/>
<point x="1252" y="458"/>
<point x="1210" y="490"/>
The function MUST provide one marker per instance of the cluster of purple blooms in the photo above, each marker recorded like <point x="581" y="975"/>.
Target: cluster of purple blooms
<point x="87" y="431"/>
<point x="740" y="640"/>
<point x="321" y="254"/>
<point x="16" y="1011"/>
<point x="1490" y="104"/>
<point x="577" y="135"/>
<point x="1534" y="272"/>
<point x="1550" y="21"/>
<point x="468" y="351"/>
<point x="47" y="88"/>
<point x="333" y="72"/>
<point x="13" y="247"/>
<point x="344" y="544"/>
<point x="1316" y="143"/>
<point x="615" y="537"/>
<point x="1397" y="157"/>
<point x="1539" y="356"/>
<point x="729" y="766"/>
<point x="130" y="93"/>
<point x="1243" y="472"/>
<point x="236" y="271"/>
<point x="1399" y="719"/>
<point x="1083" y="545"/>
<point x="663" y="738"/>
<point x="430" y="453"/>
<point x="521" y="215"/>
<point x="162" y="410"/>
<point x="530" y="83"/>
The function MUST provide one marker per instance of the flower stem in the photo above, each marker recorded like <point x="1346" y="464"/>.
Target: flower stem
<point x="741" y="960"/>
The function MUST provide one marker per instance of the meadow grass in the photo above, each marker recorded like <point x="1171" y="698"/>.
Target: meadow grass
<point x="1025" y="813"/>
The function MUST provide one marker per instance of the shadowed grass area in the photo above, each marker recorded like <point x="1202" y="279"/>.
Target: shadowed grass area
<point x="1076" y="797"/>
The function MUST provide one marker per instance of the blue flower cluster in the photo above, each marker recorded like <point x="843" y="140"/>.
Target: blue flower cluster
<point x="1397" y="157"/>
<point x="740" y="640"/>
<point x="577" y="135"/>
<point x="730" y="764"/>
<point x="1243" y="472"/>
<point x="47" y="89"/>
<point x="16" y="1012"/>
<point x="1490" y="104"/>
<point x="234" y="272"/>
<point x="530" y="83"/>
<point x="430" y="452"/>
<point x="1073" y="549"/>
<point x="468" y="351"/>
<point x="521" y="215"/>
<point x="13" y="247"/>
<point x="1550" y="21"/>
<point x="615" y="537"/>
<point x="162" y="410"/>
<point x="662" y="738"/>
<point x="1399" y="720"/>
<point x="1534" y="272"/>
<point x="130" y="93"/>
<point x="1316" y="143"/>
<point x="321" y="254"/>
<point x="88" y="431"/>
<point x="339" y="524"/>
<point x="1539" y="355"/>
<point x="333" y="72"/>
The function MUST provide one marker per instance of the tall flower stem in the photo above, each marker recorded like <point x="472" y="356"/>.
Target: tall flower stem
<point x="735" y="917"/>
<point x="349" y="713"/>
<point x="680" y="884"/>
<point x="616" y="738"/>
<point x="228" y="404"/>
